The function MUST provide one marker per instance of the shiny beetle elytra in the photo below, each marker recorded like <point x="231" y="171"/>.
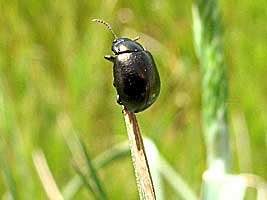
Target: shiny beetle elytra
<point x="136" y="77"/>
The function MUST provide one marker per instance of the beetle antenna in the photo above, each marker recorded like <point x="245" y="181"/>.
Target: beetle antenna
<point x="107" y="25"/>
<point x="136" y="38"/>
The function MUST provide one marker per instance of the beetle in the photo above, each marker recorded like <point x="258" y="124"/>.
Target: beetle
<point x="136" y="77"/>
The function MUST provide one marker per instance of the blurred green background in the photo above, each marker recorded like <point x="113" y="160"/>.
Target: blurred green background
<point x="54" y="79"/>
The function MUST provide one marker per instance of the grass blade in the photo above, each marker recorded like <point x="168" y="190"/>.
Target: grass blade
<point x="176" y="181"/>
<point x="118" y="151"/>
<point x="207" y="34"/>
<point x="86" y="182"/>
<point x="9" y="179"/>
<point x="46" y="176"/>
<point x="82" y="162"/>
<point x="93" y="174"/>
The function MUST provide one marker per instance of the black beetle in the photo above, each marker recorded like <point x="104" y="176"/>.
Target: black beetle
<point x="136" y="77"/>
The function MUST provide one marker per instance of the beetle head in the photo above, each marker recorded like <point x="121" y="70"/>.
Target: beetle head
<point x="121" y="45"/>
<point x="125" y="45"/>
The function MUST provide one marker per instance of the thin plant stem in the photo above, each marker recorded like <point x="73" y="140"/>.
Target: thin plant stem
<point x="140" y="163"/>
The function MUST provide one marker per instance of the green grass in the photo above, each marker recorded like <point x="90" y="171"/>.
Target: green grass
<point x="54" y="79"/>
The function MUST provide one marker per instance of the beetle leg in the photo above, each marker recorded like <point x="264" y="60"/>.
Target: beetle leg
<point x="110" y="58"/>
<point x="124" y="110"/>
<point x="119" y="100"/>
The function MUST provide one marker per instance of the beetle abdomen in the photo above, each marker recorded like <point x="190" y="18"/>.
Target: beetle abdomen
<point x="136" y="79"/>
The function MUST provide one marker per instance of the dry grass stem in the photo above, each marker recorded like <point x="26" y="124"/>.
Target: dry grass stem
<point x="141" y="168"/>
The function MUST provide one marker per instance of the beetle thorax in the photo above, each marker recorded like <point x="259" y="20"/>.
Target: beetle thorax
<point x="125" y="45"/>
